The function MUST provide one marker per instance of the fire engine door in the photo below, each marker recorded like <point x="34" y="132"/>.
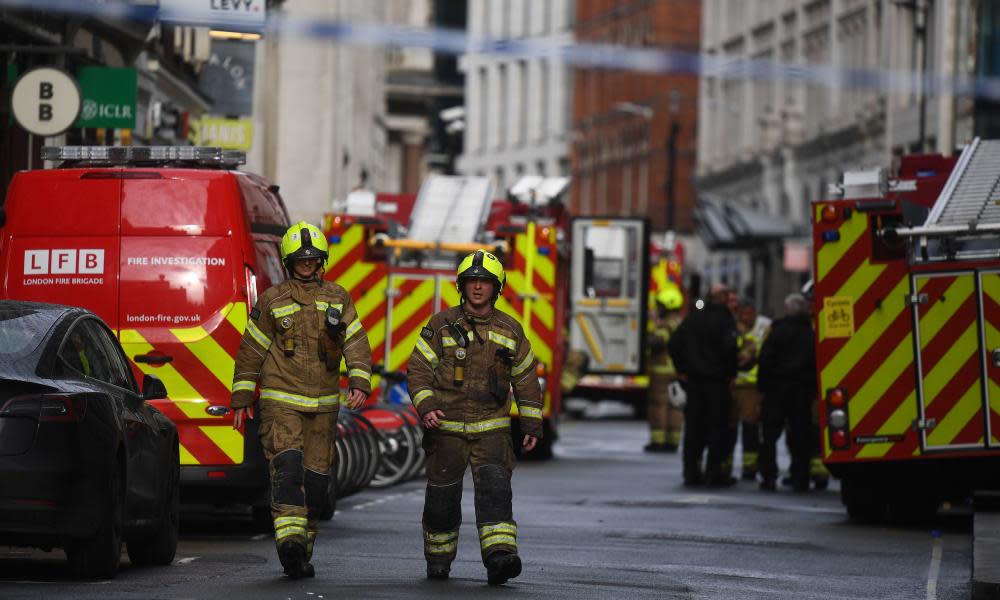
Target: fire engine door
<point x="950" y="359"/>
<point x="608" y="293"/>
<point x="412" y="299"/>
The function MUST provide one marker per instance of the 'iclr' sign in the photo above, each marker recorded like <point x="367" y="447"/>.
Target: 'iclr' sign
<point x="64" y="262"/>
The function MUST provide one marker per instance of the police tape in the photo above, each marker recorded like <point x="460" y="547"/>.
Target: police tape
<point x="557" y="48"/>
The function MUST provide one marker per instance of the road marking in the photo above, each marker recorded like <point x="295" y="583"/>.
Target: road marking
<point x="186" y="560"/>
<point x="932" y="575"/>
<point x="261" y="536"/>
<point x="382" y="499"/>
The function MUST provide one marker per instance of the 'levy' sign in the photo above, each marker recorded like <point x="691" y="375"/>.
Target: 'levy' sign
<point x="233" y="15"/>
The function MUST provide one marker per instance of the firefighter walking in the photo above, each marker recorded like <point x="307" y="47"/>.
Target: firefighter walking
<point x="296" y="335"/>
<point x="665" y="420"/>
<point x="460" y="375"/>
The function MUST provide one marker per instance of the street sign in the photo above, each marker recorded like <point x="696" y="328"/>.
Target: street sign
<point x="233" y="15"/>
<point x="46" y="101"/>
<point x="109" y="97"/>
<point x="232" y="134"/>
<point x="227" y="77"/>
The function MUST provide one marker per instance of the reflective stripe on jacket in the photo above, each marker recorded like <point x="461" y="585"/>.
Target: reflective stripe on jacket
<point x="470" y="409"/>
<point x="286" y="348"/>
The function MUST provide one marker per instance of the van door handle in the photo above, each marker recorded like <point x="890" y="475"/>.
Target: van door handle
<point x="995" y="355"/>
<point x="153" y="359"/>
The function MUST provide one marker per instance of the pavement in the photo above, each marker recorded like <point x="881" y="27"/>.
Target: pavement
<point x="986" y="547"/>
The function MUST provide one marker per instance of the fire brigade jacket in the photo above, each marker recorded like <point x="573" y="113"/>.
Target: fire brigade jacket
<point x="292" y="351"/>
<point x="659" y="357"/>
<point x="473" y="392"/>
<point x="749" y="343"/>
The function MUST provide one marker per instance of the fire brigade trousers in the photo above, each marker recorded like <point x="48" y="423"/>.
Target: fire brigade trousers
<point x="299" y="449"/>
<point x="706" y="423"/>
<point x="748" y="405"/>
<point x="665" y="421"/>
<point x="492" y="460"/>
<point x="787" y="405"/>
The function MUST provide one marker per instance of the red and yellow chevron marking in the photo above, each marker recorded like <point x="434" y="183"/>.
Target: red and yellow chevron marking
<point x="950" y="360"/>
<point x="412" y="307"/>
<point x="200" y="374"/>
<point x="365" y="281"/>
<point x="875" y="364"/>
<point x="529" y="295"/>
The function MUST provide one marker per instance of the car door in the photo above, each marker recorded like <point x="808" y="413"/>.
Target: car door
<point x="141" y="433"/>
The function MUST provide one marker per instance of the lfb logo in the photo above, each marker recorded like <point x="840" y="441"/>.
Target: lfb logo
<point x="64" y="262"/>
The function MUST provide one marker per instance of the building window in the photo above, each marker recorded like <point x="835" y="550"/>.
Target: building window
<point x="522" y="109"/>
<point x="484" y="109"/>
<point x="543" y="100"/>
<point x="503" y="106"/>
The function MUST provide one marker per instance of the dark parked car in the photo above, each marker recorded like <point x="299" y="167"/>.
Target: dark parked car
<point x="85" y="461"/>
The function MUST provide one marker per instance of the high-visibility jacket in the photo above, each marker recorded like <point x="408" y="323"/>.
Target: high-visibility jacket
<point x="288" y="348"/>
<point x="750" y="343"/>
<point x="470" y="381"/>
<point x="660" y="362"/>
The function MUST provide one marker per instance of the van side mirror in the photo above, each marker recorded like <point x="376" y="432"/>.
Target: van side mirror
<point x="153" y="388"/>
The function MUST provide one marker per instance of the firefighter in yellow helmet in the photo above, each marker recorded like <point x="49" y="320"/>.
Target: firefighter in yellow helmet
<point x="465" y="363"/>
<point x="665" y="419"/>
<point x="296" y="335"/>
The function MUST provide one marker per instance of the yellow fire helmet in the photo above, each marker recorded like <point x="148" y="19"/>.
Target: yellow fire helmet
<point x="303" y="240"/>
<point x="482" y="264"/>
<point x="670" y="297"/>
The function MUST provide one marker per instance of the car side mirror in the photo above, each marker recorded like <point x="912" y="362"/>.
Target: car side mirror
<point x="153" y="388"/>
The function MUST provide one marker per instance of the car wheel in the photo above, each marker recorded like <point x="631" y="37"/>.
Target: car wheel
<point x="160" y="547"/>
<point x="263" y="519"/>
<point x="99" y="556"/>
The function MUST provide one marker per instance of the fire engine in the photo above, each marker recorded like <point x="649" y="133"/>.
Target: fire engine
<point x="396" y="255"/>
<point x="907" y="299"/>
<point x="623" y="379"/>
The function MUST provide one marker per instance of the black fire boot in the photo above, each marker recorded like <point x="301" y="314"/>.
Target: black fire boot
<point x="437" y="569"/>
<point x="501" y="566"/>
<point x="293" y="559"/>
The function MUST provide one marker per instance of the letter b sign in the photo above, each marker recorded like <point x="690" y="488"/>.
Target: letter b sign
<point x="46" y="101"/>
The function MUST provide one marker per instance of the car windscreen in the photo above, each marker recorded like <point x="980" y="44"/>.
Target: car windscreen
<point x="21" y="331"/>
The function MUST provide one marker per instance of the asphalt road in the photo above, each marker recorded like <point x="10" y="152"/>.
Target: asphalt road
<point x="602" y="520"/>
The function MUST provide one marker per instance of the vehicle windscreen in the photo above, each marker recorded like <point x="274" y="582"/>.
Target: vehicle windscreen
<point x="21" y="331"/>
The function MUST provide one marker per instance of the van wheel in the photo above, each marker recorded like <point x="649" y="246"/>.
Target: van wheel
<point x="99" y="556"/>
<point x="160" y="548"/>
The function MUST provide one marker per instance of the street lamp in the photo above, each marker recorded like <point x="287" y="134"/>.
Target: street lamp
<point x="675" y="128"/>
<point x="921" y="10"/>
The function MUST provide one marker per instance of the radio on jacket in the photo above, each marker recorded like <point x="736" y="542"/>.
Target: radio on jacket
<point x="462" y="339"/>
<point x="334" y="324"/>
<point x="330" y="346"/>
<point x="287" y="325"/>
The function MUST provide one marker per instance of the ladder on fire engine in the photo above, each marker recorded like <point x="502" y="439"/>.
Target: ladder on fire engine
<point x="964" y="222"/>
<point x="970" y="197"/>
